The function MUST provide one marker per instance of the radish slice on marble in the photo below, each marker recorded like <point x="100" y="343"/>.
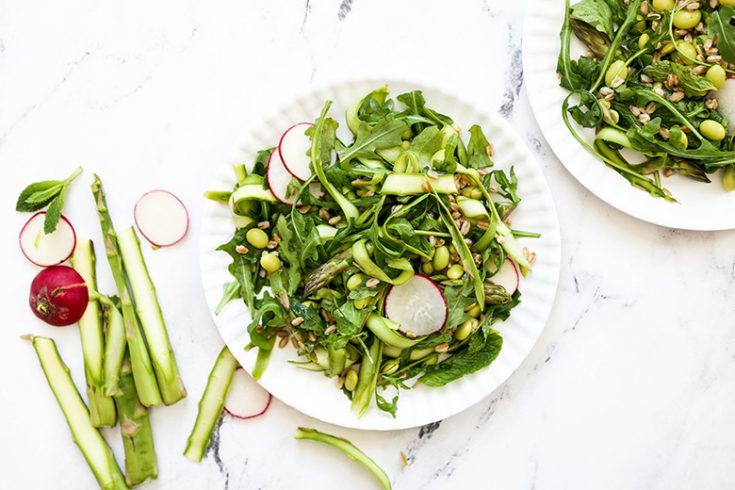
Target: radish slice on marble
<point x="507" y="276"/>
<point x="418" y="306"/>
<point x="161" y="218"/>
<point x="47" y="250"/>
<point x="246" y="399"/>
<point x="294" y="151"/>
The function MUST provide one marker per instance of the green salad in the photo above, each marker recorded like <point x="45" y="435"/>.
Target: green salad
<point x="653" y="80"/>
<point x="384" y="260"/>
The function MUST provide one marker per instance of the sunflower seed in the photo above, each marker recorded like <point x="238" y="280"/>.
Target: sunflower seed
<point x="441" y="348"/>
<point x="297" y="321"/>
<point x="372" y="283"/>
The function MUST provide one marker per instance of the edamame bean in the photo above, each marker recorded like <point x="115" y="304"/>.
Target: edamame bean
<point x="465" y="330"/>
<point x="643" y="40"/>
<point x="361" y="303"/>
<point x="270" y="262"/>
<point x="687" y="51"/>
<point x="441" y="258"/>
<point x="455" y="272"/>
<point x="351" y="380"/>
<point x="427" y="268"/>
<point x="716" y="74"/>
<point x="474" y="311"/>
<point x="354" y="281"/>
<point x="712" y="130"/>
<point x="662" y="5"/>
<point x="727" y="3"/>
<point x="616" y="70"/>
<point x="728" y="178"/>
<point x="684" y="140"/>
<point x="667" y="48"/>
<point x="257" y="238"/>
<point x="390" y="367"/>
<point x="686" y="19"/>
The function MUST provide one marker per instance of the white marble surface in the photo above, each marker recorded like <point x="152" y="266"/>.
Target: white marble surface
<point x="630" y="385"/>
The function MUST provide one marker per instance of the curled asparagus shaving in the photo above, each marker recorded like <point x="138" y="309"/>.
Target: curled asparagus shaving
<point x="352" y="451"/>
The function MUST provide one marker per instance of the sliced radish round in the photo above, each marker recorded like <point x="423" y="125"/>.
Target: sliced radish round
<point x="246" y="399"/>
<point x="508" y="276"/>
<point x="47" y="250"/>
<point x="726" y="102"/>
<point x="293" y="150"/>
<point x="418" y="306"/>
<point x="161" y="218"/>
<point x="279" y="179"/>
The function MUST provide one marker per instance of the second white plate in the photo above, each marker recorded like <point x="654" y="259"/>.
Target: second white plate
<point x="700" y="207"/>
<point x="316" y="395"/>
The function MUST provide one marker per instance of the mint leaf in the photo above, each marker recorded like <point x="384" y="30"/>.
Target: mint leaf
<point x="37" y="195"/>
<point x="53" y="213"/>
<point x="473" y="358"/>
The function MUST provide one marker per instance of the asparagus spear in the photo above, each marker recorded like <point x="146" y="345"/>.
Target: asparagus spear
<point x="145" y="380"/>
<point x="368" y="377"/>
<point x="115" y="345"/>
<point x="149" y="312"/>
<point x="135" y="428"/>
<point x="349" y="449"/>
<point x="211" y="404"/>
<point x="323" y="275"/>
<point x="101" y="407"/>
<point x="94" y="448"/>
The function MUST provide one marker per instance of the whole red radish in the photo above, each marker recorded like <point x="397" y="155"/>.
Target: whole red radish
<point x="58" y="296"/>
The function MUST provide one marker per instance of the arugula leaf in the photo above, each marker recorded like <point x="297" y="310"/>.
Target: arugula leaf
<point x="693" y="85"/>
<point x="720" y="24"/>
<point x="313" y="322"/>
<point x="244" y="267"/>
<point x="385" y="406"/>
<point x="595" y="13"/>
<point x="458" y="299"/>
<point x="386" y="133"/>
<point x="508" y="186"/>
<point x="464" y="362"/>
<point x="288" y="249"/>
<point x="49" y="193"/>
<point x="477" y="148"/>
<point x="416" y="104"/>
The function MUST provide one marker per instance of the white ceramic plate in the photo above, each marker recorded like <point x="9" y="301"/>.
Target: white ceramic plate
<point x="700" y="207"/>
<point x="311" y="392"/>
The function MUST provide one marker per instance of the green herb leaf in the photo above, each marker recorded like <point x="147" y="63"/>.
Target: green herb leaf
<point x="477" y="148"/>
<point x="595" y="13"/>
<point x="36" y="196"/>
<point x="721" y="26"/>
<point x="693" y="85"/>
<point x="464" y="362"/>
<point x="385" y="134"/>
<point x="53" y="213"/>
<point x="384" y="405"/>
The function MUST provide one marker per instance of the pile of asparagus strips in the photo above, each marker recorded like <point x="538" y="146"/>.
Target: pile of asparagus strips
<point x="126" y="370"/>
